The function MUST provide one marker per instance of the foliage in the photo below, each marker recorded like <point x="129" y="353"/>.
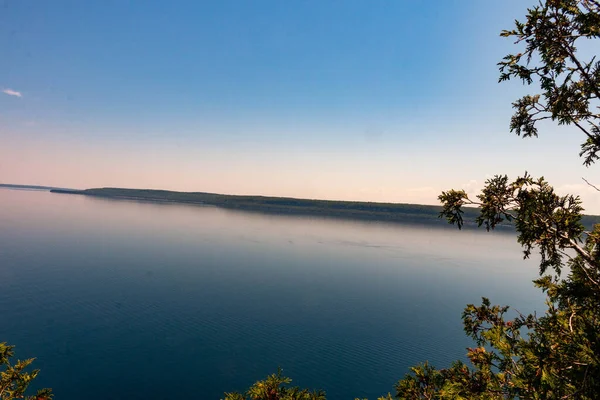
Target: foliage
<point x="570" y="86"/>
<point x="274" y="387"/>
<point x="543" y="219"/>
<point x="14" y="380"/>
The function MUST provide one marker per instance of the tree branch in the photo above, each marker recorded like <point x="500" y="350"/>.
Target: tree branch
<point x="583" y="129"/>
<point x="582" y="71"/>
<point x="586" y="181"/>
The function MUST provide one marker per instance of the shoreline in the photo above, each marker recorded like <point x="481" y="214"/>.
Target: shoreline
<point x="402" y="213"/>
<point x="350" y="210"/>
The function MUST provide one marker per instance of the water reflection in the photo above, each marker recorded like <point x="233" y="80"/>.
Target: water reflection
<point x="150" y="300"/>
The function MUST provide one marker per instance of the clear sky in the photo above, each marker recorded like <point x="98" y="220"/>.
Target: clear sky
<point x="377" y="100"/>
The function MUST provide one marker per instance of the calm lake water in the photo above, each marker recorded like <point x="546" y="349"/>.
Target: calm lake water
<point x="121" y="299"/>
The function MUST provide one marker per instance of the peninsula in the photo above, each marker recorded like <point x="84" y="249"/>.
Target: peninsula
<point x="393" y="212"/>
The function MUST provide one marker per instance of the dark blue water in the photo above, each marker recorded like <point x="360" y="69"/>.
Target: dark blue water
<point x="120" y="299"/>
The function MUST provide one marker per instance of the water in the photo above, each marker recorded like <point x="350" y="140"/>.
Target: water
<point x="121" y="299"/>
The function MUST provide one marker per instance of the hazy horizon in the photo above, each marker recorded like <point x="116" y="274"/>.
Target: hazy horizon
<point x="343" y="100"/>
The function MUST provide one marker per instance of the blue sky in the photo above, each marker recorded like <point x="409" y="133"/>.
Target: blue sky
<point x="369" y="100"/>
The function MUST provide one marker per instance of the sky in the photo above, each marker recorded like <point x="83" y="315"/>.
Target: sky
<point x="372" y="100"/>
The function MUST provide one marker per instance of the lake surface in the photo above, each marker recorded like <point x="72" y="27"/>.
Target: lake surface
<point x="122" y="299"/>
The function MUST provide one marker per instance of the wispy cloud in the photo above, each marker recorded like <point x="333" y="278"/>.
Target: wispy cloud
<point x="11" y="92"/>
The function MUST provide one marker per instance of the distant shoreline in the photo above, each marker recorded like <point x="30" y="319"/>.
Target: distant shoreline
<point x="353" y="210"/>
<point x="276" y="205"/>
<point x="390" y="212"/>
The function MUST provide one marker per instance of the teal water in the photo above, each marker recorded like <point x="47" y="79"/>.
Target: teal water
<point x="121" y="299"/>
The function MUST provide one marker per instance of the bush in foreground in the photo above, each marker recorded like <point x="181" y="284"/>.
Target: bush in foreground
<point x="14" y="378"/>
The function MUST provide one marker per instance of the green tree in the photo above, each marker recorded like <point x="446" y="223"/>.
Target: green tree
<point x="556" y="355"/>
<point x="570" y="85"/>
<point x="14" y="380"/>
<point x="275" y="387"/>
